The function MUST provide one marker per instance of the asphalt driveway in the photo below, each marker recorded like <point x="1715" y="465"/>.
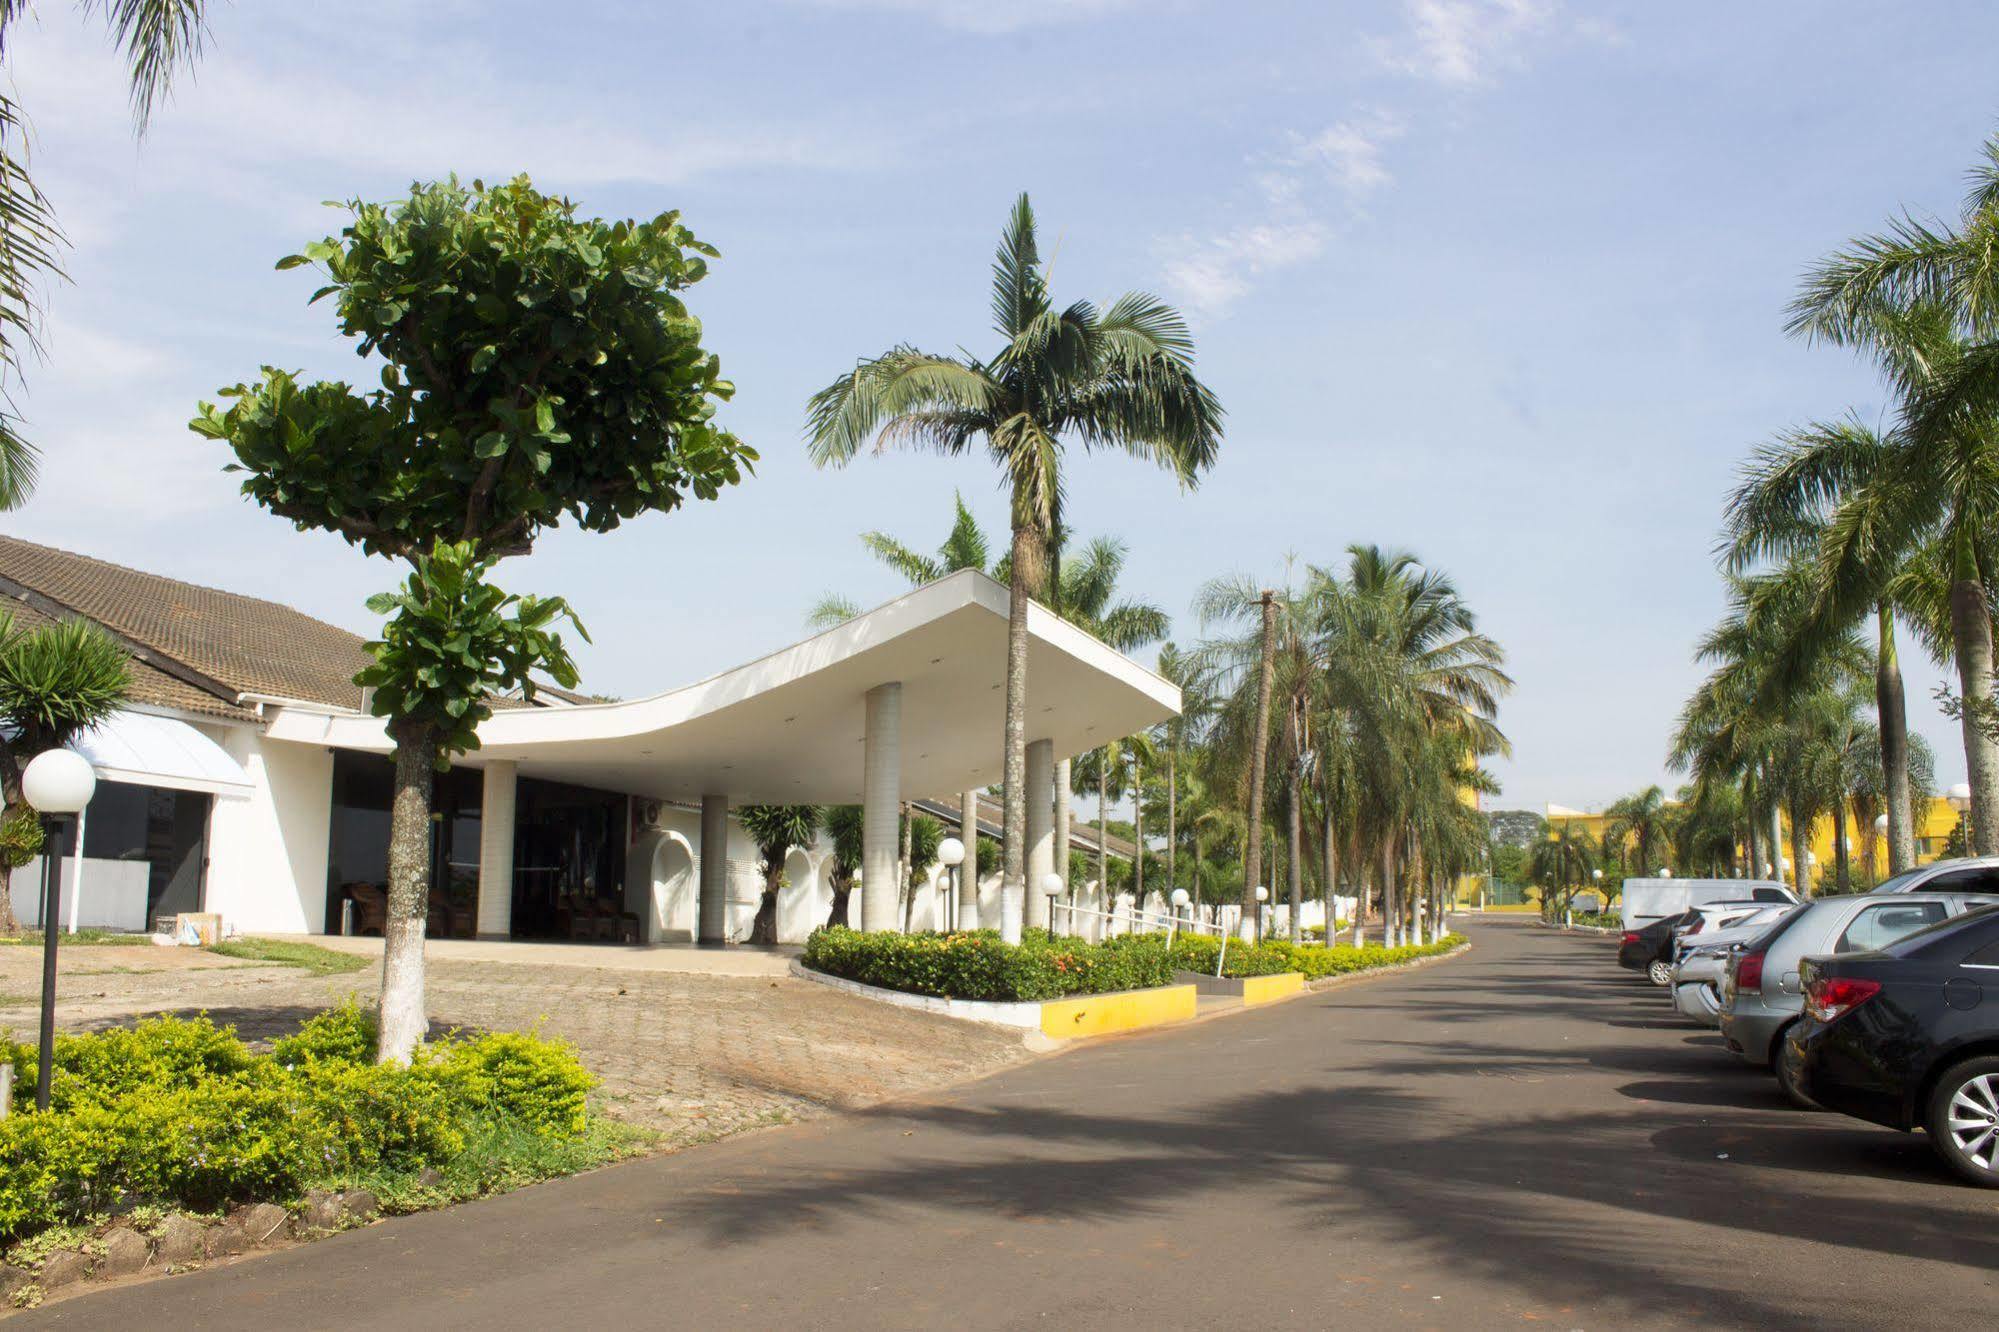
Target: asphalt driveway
<point x="1522" y="1134"/>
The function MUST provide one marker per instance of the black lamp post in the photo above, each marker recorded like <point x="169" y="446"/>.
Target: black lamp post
<point x="57" y="783"/>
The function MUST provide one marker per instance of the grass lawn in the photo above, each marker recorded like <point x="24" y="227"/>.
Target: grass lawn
<point x="293" y="953"/>
<point x="81" y="939"/>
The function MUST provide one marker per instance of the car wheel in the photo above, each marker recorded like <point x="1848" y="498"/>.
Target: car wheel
<point x="1789" y="1066"/>
<point x="1963" y="1119"/>
<point x="1660" y="972"/>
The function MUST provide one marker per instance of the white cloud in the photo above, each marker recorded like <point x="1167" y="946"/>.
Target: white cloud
<point x="1459" y="42"/>
<point x="1208" y="275"/>
<point x="1350" y="152"/>
<point x="986" y="16"/>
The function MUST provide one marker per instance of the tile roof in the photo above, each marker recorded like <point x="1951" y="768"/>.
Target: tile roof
<point x="194" y="647"/>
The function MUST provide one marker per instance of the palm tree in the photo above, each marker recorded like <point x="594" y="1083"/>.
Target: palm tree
<point x="1563" y="861"/>
<point x="57" y="680"/>
<point x="1924" y="298"/>
<point x="775" y="829"/>
<point x="1197" y="709"/>
<point x="1827" y="495"/>
<point x="964" y="547"/>
<point x="843" y="826"/>
<point x="157" y="38"/>
<point x="1638" y="823"/>
<point x="1120" y="378"/>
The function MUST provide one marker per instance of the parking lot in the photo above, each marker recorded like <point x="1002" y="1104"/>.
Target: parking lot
<point x="1522" y="1134"/>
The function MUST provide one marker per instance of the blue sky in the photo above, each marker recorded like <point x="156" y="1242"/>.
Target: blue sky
<point x="1498" y="281"/>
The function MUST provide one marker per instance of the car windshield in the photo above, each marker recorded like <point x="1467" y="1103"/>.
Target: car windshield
<point x="1913" y="945"/>
<point x="1896" y="883"/>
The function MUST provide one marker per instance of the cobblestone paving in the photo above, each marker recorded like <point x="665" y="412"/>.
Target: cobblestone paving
<point x="697" y="1057"/>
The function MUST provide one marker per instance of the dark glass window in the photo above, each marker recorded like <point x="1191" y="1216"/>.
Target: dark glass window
<point x="569" y="863"/>
<point x="357" y="863"/>
<point x="1979" y="880"/>
<point x="166" y="829"/>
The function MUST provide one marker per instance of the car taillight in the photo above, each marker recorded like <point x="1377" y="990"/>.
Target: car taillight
<point x="1630" y="937"/>
<point x="1826" y="997"/>
<point x="1749" y="971"/>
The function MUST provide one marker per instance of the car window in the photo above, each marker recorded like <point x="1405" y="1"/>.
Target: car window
<point x="1767" y="895"/>
<point x="1979" y="879"/>
<point x="1950" y="939"/>
<point x="1878" y="926"/>
<point x="1777" y="928"/>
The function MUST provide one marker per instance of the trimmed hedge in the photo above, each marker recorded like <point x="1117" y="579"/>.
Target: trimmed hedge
<point x="976" y="965"/>
<point x="1196" y="952"/>
<point x="179" y="1112"/>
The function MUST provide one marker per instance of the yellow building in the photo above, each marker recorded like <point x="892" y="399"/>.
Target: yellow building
<point x="1934" y="823"/>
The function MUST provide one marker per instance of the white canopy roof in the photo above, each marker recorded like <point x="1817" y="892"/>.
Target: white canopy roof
<point x="788" y="728"/>
<point x="151" y="750"/>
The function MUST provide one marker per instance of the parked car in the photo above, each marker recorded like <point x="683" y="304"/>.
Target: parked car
<point x="1696" y="977"/>
<point x="1963" y="874"/>
<point x="1643" y="901"/>
<point x="1710" y="918"/>
<point x="1908" y="1036"/>
<point x="1761" y="992"/>
<point x="1650" y="948"/>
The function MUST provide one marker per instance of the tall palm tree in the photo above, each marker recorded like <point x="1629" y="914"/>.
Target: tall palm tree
<point x="1247" y="666"/>
<point x="1120" y="378"/>
<point x="1828" y="494"/>
<point x="157" y="38"/>
<point x="1924" y="298"/>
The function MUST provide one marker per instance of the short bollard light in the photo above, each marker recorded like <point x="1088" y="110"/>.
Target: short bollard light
<point x="57" y="784"/>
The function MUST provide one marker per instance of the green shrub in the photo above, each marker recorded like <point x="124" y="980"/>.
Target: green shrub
<point x="347" y="1034"/>
<point x="539" y="1084"/>
<point x="976" y="965"/>
<point x="1196" y="952"/>
<point x="179" y="1112"/>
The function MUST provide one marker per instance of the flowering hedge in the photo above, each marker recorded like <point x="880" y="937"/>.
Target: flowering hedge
<point x="976" y="965"/>
<point x="1196" y="952"/>
<point x="180" y="1112"/>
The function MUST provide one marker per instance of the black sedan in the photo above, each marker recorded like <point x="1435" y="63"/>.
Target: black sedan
<point x="1909" y="1037"/>
<point x="1650" y="949"/>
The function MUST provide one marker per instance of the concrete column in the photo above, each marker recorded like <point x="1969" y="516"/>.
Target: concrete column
<point x="497" y="783"/>
<point x="714" y="922"/>
<point x="1064" y="777"/>
<point x="1040" y="828"/>
<point x="968" y="873"/>
<point x="881" y="800"/>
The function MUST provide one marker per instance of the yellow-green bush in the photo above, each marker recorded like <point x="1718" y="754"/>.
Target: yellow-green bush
<point x="1197" y="952"/>
<point x="976" y="965"/>
<point x="180" y="1112"/>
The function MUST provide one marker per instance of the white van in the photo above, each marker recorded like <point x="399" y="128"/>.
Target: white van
<point x="1646" y="900"/>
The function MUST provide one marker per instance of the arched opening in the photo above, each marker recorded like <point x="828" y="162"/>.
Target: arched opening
<point x="675" y="906"/>
<point x="801" y="907"/>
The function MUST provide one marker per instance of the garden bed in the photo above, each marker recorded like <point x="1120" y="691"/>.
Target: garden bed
<point x="177" y="1118"/>
<point x="1198" y="952"/>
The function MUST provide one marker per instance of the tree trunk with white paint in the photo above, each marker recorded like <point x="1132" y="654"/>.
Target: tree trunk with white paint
<point x="403" y="1020"/>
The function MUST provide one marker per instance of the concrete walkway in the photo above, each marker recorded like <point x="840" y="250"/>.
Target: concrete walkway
<point x="679" y="959"/>
<point x="1517" y="1136"/>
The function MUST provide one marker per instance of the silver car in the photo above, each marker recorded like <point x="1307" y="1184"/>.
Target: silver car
<point x="1760" y="994"/>
<point x="1696" y="984"/>
<point x="1964" y="874"/>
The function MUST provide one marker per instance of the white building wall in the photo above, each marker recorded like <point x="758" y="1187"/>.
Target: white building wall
<point x="267" y="853"/>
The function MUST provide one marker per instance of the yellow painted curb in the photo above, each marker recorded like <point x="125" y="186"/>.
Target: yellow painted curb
<point x="1269" y="989"/>
<point x="1095" y="1014"/>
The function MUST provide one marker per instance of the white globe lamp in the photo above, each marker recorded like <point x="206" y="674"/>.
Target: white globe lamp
<point x="951" y="852"/>
<point x="1181" y="897"/>
<point x="58" y="782"/>
<point x="1262" y="894"/>
<point x="1959" y="797"/>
